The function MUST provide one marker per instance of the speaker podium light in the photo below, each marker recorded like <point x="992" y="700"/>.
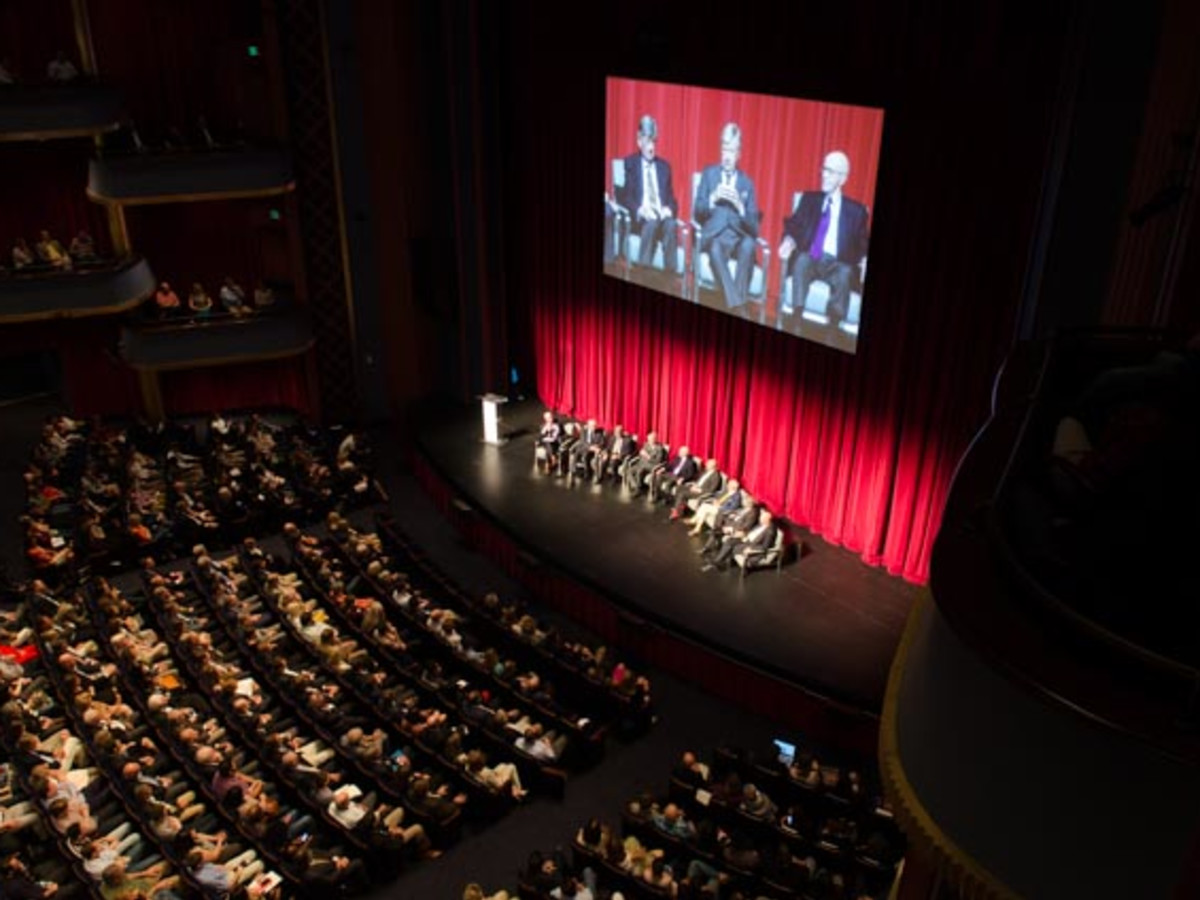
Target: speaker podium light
<point x="490" y="404"/>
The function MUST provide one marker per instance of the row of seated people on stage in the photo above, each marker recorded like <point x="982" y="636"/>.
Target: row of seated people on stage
<point x="47" y="256"/>
<point x="231" y="301"/>
<point x="732" y="829"/>
<point x="100" y="492"/>
<point x="696" y="491"/>
<point x="60" y="70"/>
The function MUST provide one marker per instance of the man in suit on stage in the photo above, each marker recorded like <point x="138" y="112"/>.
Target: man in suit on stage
<point x="665" y="478"/>
<point x="650" y="457"/>
<point x="618" y="447"/>
<point x="727" y="212"/>
<point x="586" y="450"/>
<point x="648" y="195"/>
<point x="759" y="538"/>
<point x="736" y="524"/>
<point x="827" y="234"/>
<point x="697" y="491"/>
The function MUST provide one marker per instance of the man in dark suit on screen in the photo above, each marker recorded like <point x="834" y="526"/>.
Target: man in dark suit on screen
<point x="827" y="234"/>
<point x="648" y="195"/>
<point x="727" y="212"/>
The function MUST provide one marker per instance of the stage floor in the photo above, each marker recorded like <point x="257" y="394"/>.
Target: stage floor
<point x="827" y="622"/>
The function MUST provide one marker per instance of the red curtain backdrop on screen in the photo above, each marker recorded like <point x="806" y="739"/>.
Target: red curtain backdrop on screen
<point x="860" y="449"/>
<point x="784" y="142"/>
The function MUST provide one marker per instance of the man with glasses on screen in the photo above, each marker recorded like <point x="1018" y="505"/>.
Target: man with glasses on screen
<point x="648" y="195"/>
<point x="828" y="235"/>
<point x="728" y="215"/>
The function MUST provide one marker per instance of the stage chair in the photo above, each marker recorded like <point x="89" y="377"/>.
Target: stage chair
<point x="748" y="560"/>
<point x="813" y="307"/>
<point x="630" y="242"/>
<point x="703" y="277"/>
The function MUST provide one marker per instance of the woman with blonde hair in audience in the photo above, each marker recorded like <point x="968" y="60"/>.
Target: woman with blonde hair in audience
<point x="198" y="300"/>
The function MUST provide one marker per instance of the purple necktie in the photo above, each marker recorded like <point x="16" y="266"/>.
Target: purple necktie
<point x="818" y="244"/>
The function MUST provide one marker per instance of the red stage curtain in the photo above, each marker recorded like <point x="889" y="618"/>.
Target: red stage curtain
<point x="188" y="242"/>
<point x="784" y="142"/>
<point x="860" y="449"/>
<point x="177" y="61"/>
<point x="272" y="383"/>
<point x="32" y="33"/>
<point x="46" y="188"/>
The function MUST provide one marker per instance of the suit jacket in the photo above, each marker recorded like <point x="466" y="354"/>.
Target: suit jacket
<point x="688" y="468"/>
<point x="707" y="483"/>
<point x="745" y="519"/>
<point x="801" y="226"/>
<point x="761" y="538"/>
<point x="620" y="447"/>
<point x="654" y="454"/>
<point x="716" y="218"/>
<point x="631" y="194"/>
<point x="731" y="502"/>
<point x="594" y="438"/>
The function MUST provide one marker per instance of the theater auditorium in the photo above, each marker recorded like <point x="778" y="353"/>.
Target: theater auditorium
<point x="384" y="516"/>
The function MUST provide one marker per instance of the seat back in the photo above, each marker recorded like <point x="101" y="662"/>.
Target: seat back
<point x="618" y="173"/>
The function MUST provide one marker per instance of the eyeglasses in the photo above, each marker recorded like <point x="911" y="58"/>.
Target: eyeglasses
<point x="833" y="171"/>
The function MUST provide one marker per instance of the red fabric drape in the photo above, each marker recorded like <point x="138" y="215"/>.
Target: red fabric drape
<point x="784" y="142"/>
<point x="861" y="449"/>
<point x="46" y="188"/>
<point x="174" y="62"/>
<point x="32" y="33"/>
<point x="268" y="384"/>
<point x="188" y="242"/>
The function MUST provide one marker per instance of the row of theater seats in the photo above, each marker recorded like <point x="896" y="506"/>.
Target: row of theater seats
<point x="310" y="712"/>
<point x="47" y="256"/>
<point x="104" y="494"/>
<point x="733" y="828"/>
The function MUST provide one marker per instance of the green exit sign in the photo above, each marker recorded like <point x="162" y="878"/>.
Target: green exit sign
<point x="252" y="50"/>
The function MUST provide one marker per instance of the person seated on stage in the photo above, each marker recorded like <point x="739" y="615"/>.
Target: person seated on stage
<point x="166" y="301"/>
<point x="617" y="448"/>
<point x="83" y="247"/>
<point x="61" y="70"/>
<point x="567" y="440"/>
<point x="665" y="479"/>
<point x="232" y="297"/>
<point x="638" y="470"/>
<point x="689" y="496"/>
<point x="198" y="300"/>
<point x="587" y="449"/>
<point x="51" y="252"/>
<point x="759" y="538"/>
<point x="738" y="522"/>
<point x="546" y="447"/>
<point x="22" y="256"/>
<point x="263" y="296"/>
<point x="714" y="512"/>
